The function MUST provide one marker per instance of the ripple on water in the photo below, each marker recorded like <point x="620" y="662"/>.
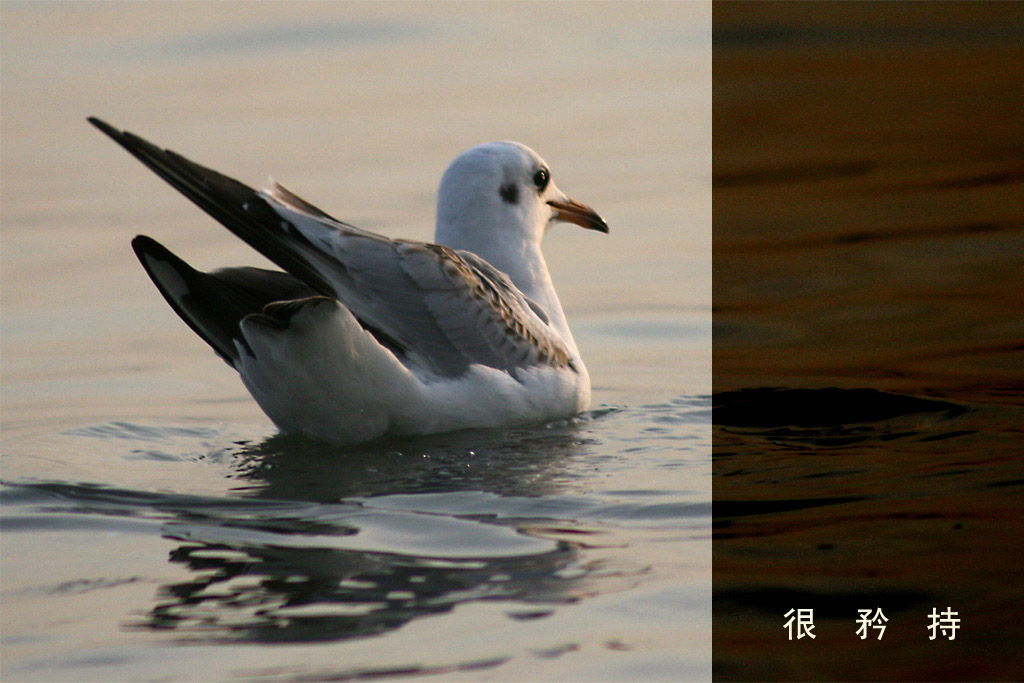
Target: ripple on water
<point x="831" y="417"/>
<point x="311" y="543"/>
<point x="130" y="431"/>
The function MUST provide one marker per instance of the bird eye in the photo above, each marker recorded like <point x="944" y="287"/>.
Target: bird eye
<point x="541" y="178"/>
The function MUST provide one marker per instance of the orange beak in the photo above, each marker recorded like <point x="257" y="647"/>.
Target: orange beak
<point x="582" y="215"/>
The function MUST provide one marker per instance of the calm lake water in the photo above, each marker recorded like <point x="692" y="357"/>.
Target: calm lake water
<point x="155" y="526"/>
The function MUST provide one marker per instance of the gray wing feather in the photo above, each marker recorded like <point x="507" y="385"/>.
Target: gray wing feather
<point x="499" y="278"/>
<point x="449" y="309"/>
<point x="480" y="310"/>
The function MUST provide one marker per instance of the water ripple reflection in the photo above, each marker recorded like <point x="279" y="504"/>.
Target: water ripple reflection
<point x="312" y="543"/>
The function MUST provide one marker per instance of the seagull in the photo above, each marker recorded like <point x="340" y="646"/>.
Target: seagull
<point x="361" y="336"/>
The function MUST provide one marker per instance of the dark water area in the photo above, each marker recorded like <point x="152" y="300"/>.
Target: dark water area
<point x="869" y="338"/>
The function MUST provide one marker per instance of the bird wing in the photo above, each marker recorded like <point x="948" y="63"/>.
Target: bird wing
<point x="442" y="310"/>
<point x="213" y="304"/>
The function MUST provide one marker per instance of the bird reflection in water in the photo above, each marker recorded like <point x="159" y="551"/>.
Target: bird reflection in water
<point x="327" y="545"/>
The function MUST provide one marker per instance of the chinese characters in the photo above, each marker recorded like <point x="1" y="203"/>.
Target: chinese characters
<point x="947" y="622"/>
<point x="804" y="623"/>
<point x="801" y="622"/>
<point x="876" y="621"/>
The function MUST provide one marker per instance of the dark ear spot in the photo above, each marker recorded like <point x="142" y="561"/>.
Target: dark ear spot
<point x="509" y="192"/>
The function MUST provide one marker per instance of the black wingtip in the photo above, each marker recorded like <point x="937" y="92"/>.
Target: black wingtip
<point x="103" y="126"/>
<point x="149" y="251"/>
<point x="235" y="205"/>
<point x="145" y="246"/>
<point x="207" y="319"/>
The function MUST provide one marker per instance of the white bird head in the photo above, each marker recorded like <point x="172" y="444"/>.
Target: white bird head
<point x="503" y="191"/>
